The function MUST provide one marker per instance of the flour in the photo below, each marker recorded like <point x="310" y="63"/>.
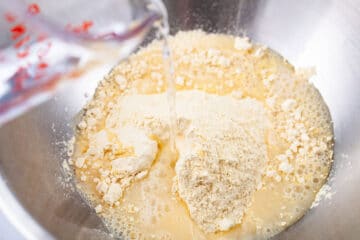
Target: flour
<point x="130" y="158"/>
<point x="218" y="178"/>
<point x="253" y="137"/>
<point x="325" y="193"/>
<point x="236" y="153"/>
<point x="237" y="150"/>
<point x="145" y="151"/>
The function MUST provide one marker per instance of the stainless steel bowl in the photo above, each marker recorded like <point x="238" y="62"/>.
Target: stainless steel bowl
<point x="322" y="33"/>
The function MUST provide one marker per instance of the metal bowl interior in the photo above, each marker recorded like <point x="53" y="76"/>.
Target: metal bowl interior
<point x="324" y="34"/>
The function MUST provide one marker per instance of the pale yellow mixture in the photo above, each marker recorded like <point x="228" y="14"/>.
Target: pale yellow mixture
<point x="254" y="143"/>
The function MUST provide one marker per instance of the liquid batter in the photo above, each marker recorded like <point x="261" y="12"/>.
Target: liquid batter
<point x="254" y="143"/>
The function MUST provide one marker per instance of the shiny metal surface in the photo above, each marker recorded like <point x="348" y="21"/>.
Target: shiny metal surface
<point x="321" y="33"/>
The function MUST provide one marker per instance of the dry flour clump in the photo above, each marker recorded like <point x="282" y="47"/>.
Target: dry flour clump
<point x="217" y="178"/>
<point x="129" y="153"/>
<point x="221" y="158"/>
